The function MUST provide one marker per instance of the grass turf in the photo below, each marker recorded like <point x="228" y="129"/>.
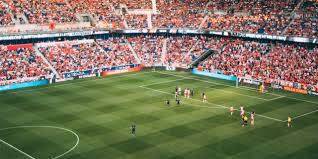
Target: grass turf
<point x="100" y="111"/>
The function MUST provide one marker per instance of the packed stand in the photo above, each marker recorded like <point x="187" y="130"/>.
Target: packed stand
<point x="44" y="12"/>
<point x="118" y="50"/>
<point x="133" y="4"/>
<point x="101" y="10"/>
<point x="205" y="44"/>
<point x="266" y="61"/>
<point x="21" y="65"/>
<point x="306" y="20"/>
<point x="71" y="57"/>
<point x="136" y="21"/>
<point x="268" y="17"/>
<point x="178" y="50"/>
<point x="5" y="18"/>
<point x="179" y="13"/>
<point x="148" y="48"/>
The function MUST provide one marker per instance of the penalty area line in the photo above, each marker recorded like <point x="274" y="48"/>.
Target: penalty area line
<point x="218" y="105"/>
<point x="16" y="149"/>
<point x="299" y="116"/>
<point x="245" y="88"/>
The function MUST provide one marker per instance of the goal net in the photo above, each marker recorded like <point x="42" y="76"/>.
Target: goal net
<point x="249" y="83"/>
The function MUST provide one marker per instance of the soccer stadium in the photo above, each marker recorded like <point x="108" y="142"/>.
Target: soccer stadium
<point x="158" y="79"/>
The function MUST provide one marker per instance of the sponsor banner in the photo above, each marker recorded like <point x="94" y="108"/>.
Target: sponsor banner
<point x="170" y="68"/>
<point x="275" y="86"/>
<point x="15" y="47"/>
<point x="52" y="35"/>
<point x="93" y="72"/>
<point x="313" y="93"/>
<point x="250" y="81"/>
<point x="24" y="85"/>
<point x="216" y="33"/>
<point x="47" y="44"/>
<point x="88" y="76"/>
<point x="295" y="90"/>
<point x="161" y="30"/>
<point x="214" y="75"/>
<point x="132" y="31"/>
<point x="64" y="79"/>
<point x="79" y="73"/>
<point x="113" y="72"/>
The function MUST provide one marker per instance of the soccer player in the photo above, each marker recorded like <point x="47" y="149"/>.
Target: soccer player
<point x="242" y="112"/>
<point x="245" y="120"/>
<point x="188" y="93"/>
<point x="204" y="97"/>
<point x="185" y="93"/>
<point x="179" y="90"/>
<point x="133" y="129"/>
<point x="231" y="110"/>
<point x="176" y="95"/>
<point x="178" y="101"/>
<point x="252" y="118"/>
<point x="289" y="121"/>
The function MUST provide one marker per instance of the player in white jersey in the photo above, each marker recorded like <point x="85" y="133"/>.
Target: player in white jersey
<point x="242" y="112"/>
<point x="252" y="118"/>
<point x="188" y="93"/>
<point x="205" y="99"/>
<point x="231" y="110"/>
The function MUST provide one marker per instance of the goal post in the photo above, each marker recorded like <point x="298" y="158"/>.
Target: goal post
<point x="253" y="84"/>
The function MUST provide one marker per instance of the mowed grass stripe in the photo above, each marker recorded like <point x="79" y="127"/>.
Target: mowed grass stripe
<point x="101" y="113"/>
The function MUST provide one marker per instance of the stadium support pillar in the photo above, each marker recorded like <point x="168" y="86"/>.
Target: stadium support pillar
<point x="154" y="6"/>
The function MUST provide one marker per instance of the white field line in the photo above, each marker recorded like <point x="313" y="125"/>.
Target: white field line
<point x="276" y="98"/>
<point x="63" y="84"/>
<point x="299" y="116"/>
<point x="51" y="127"/>
<point x="230" y="92"/>
<point x="282" y="96"/>
<point x="221" y="106"/>
<point x="17" y="149"/>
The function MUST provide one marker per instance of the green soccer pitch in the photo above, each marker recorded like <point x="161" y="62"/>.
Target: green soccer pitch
<point x="92" y="118"/>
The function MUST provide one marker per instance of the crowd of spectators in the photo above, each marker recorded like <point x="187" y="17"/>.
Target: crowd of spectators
<point x="269" y="17"/>
<point x="72" y="57"/>
<point x="136" y="21"/>
<point x="43" y="12"/>
<point x="288" y="17"/>
<point x="306" y="20"/>
<point x="118" y="50"/>
<point x="179" y="14"/>
<point x="20" y="65"/>
<point x="179" y="50"/>
<point x="132" y="4"/>
<point x="5" y="18"/>
<point x="148" y="48"/>
<point x="101" y="10"/>
<point x="266" y="61"/>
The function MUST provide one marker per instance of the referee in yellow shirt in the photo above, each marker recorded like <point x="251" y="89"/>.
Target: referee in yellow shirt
<point x="289" y="121"/>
